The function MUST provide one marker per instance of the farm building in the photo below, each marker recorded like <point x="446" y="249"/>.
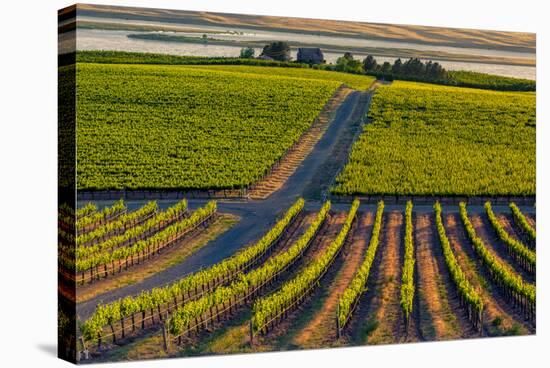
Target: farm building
<point x="310" y="55"/>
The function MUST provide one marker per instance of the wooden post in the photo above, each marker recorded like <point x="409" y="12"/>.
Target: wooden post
<point x="165" y="339"/>
<point x="251" y="333"/>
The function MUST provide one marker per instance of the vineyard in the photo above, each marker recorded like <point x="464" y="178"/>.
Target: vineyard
<point x="314" y="280"/>
<point x="444" y="141"/>
<point x="155" y="127"/>
<point x="360" y="211"/>
<point x="111" y="240"/>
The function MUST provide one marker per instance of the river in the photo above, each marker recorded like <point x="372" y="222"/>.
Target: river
<point x="104" y="39"/>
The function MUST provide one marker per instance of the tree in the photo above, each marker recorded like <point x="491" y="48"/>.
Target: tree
<point x="369" y="63"/>
<point x="348" y="64"/>
<point x="413" y="67"/>
<point x="204" y="38"/>
<point x="397" y="65"/>
<point x="386" y="67"/>
<point x="348" y="56"/>
<point x="247" y="53"/>
<point x="435" y="71"/>
<point x="278" y="50"/>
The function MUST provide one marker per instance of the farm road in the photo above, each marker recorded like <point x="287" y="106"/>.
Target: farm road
<point x="256" y="216"/>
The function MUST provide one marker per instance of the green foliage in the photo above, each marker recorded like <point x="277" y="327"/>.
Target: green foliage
<point x="432" y="72"/>
<point x="433" y="140"/>
<point x="465" y="289"/>
<point x="223" y="270"/>
<point x="358" y="284"/>
<point x="407" y="278"/>
<point x="102" y="256"/>
<point x="348" y="64"/>
<point x="526" y="257"/>
<point x="120" y="223"/>
<point x="172" y="213"/>
<point x="499" y="271"/>
<point x="97" y="218"/>
<point x="123" y="57"/>
<point x="177" y="127"/>
<point x="184" y="317"/>
<point x="86" y="210"/>
<point x="464" y="78"/>
<point x="272" y="305"/>
<point x="360" y="82"/>
<point x="522" y="222"/>
<point x="247" y="53"/>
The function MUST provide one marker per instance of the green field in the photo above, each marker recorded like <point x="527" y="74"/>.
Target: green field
<point x="434" y="140"/>
<point x="186" y="127"/>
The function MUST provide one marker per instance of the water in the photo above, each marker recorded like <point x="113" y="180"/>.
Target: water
<point x="98" y="39"/>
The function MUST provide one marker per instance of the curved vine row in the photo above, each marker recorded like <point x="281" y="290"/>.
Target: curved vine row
<point x="146" y="244"/>
<point x="522" y="222"/>
<point x="119" y="224"/>
<point x="101" y="216"/>
<point x="407" y="278"/>
<point x="348" y="300"/>
<point x="86" y="210"/>
<point x="186" y="315"/>
<point x="173" y="213"/>
<point x="523" y="294"/>
<point x="273" y="305"/>
<point x="469" y="297"/>
<point x="159" y="296"/>
<point x="523" y="255"/>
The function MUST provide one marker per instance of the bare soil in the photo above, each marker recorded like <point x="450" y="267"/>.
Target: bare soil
<point x="288" y="164"/>
<point x="440" y="317"/>
<point x="232" y="336"/>
<point x="485" y="231"/>
<point x="380" y="320"/>
<point x="499" y="317"/>
<point x="320" y="331"/>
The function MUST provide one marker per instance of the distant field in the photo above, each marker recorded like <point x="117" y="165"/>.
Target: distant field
<point x="434" y="140"/>
<point x="352" y="80"/>
<point x="181" y="127"/>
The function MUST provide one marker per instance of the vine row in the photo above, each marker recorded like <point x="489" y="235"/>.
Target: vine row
<point x="84" y="254"/>
<point x="522" y="294"/>
<point x="120" y="225"/>
<point x="469" y="297"/>
<point x="523" y="224"/>
<point x="517" y="250"/>
<point x="407" y="278"/>
<point x="349" y="299"/>
<point x="188" y="288"/>
<point x="272" y="308"/>
<point x="196" y="313"/>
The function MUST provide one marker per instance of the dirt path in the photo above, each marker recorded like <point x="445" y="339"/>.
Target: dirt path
<point x="234" y="337"/>
<point x="485" y="231"/>
<point x="256" y="216"/>
<point x="507" y="221"/>
<point x="499" y="317"/>
<point x="320" y="331"/>
<point x="384" y="311"/>
<point x="320" y="184"/>
<point x="437" y="319"/>
<point x="297" y="153"/>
